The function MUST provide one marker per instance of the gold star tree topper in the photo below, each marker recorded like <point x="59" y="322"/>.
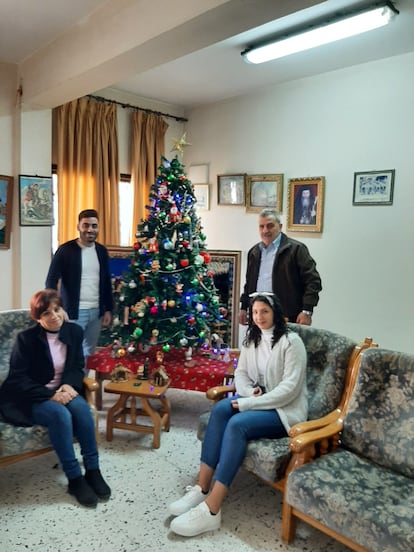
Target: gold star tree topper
<point x="180" y="143"/>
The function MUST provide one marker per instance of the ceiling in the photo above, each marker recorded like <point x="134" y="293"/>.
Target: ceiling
<point x="203" y="72"/>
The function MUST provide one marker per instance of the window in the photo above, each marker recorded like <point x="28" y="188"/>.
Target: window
<point x="126" y="210"/>
<point x="126" y="206"/>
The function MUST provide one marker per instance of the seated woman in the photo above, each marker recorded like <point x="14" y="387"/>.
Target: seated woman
<point x="270" y="381"/>
<point x="44" y="386"/>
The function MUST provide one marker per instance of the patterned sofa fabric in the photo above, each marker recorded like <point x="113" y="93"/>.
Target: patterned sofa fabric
<point x="380" y="418"/>
<point x="328" y="355"/>
<point x="11" y="323"/>
<point x="16" y="440"/>
<point x="364" y="490"/>
<point x="368" y="504"/>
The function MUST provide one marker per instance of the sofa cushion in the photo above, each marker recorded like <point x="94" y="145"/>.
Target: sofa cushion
<point x="328" y="355"/>
<point x="379" y="422"/>
<point x="369" y="504"/>
<point x="18" y="440"/>
<point x="11" y="323"/>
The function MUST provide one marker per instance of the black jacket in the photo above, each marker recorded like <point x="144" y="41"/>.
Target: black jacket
<point x="31" y="368"/>
<point x="295" y="279"/>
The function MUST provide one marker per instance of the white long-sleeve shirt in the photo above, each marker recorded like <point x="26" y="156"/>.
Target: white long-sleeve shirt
<point x="284" y="379"/>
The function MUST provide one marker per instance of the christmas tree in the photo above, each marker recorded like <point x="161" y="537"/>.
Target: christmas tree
<point x="167" y="296"/>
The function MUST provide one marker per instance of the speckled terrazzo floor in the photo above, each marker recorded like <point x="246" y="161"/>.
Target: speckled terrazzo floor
<point x="37" y="514"/>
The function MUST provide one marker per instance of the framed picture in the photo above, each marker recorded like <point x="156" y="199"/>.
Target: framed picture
<point x="225" y="266"/>
<point x="36" y="200"/>
<point x="373" y="188"/>
<point x="198" y="173"/>
<point x="6" y="198"/>
<point x="264" y="191"/>
<point x="305" y="204"/>
<point x="231" y="189"/>
<point x="202" y="194"/>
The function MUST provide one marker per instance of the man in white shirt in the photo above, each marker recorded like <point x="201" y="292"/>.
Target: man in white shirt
<point x="80" y="270"/>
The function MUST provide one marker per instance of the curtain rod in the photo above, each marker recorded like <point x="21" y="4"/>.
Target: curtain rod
<point x="146" y="110"/>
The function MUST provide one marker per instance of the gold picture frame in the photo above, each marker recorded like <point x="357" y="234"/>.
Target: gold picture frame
<point x="6" y="199"/>
<point x="231" y="189"/>
<point x="264" y="191"/>
<point x="226" y="268"/>
<point x="305" y="204"/>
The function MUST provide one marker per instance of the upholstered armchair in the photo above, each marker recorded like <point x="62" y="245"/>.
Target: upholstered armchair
<point x="19" y="443"/>
<point x="330" y="358"/>
<point x="354" y="479"/>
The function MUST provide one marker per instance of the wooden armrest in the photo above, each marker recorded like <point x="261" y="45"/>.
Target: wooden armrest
<point x="90" y="384"/>
<point x="219" y="392"/>
<point x="311" y="425"/>
<point x="299" y="443"/>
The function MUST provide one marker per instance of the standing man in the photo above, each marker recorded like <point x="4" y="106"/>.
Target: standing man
<point x="282" y="266"/>
<point x="80" y="268"/>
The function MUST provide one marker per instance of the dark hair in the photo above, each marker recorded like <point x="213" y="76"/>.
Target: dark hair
<point x="40" y="302"/>
<point x="88" y="213"/>
<point x="254" y="334"/>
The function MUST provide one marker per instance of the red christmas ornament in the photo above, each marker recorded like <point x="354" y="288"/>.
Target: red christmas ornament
<point x="184" y="262"/>
<point x="154" y="309"/>
<point x="206" y="255"/>
<point x="137" y="246"/>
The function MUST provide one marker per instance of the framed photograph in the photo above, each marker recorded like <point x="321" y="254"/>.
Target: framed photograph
<point x="305" y="204"/>
<point x="231" y="189"/>
<point x="6" y="198"/>
<point x="373" y="188"/>
<point x="225" y="266"/>
<point x="198" y="173"/>
<point x="36" y="200"/>
<point x="264" y="191"/>
<point x="202" y="194"/>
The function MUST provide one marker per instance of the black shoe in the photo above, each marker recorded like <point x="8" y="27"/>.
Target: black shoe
<point x="96" y="481"/>
<point x="83" y="493"/>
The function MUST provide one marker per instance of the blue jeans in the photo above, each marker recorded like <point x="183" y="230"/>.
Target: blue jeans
<point x="228" y="433"/>
<point x="91" y="323"/>
<point x="64" y="422"/>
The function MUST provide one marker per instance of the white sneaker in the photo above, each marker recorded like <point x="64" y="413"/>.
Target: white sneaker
<point x="198" y="520"/>
<point x="193" y="496"/>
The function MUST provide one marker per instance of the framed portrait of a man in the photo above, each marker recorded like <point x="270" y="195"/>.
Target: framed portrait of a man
<point x="305" y="204"/>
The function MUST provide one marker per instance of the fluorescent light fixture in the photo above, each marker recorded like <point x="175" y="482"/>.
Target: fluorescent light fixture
<point x="355" y="23"/>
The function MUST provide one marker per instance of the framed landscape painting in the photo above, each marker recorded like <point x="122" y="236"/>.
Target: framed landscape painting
<point x="264" y="191"/>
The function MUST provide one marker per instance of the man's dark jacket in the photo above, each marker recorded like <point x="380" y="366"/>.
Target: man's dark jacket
<point x="66" y="266"/>
<point x="295" y="279"/>
<point x="31" y="368"/>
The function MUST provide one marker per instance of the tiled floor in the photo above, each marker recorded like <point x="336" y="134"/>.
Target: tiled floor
<point x="37" y="514"/>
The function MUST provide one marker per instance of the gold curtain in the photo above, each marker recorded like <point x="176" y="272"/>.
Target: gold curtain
<point x="147" y="147"/>
<point x="87" y="166"/>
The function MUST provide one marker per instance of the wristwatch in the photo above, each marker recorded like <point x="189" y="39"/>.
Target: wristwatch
<point x="309" y="313"/>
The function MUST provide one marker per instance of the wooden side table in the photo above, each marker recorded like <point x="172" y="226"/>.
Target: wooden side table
<point x="145" y="391"/>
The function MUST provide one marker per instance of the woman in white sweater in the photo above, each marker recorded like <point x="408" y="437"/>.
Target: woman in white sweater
<point x="271" y="396"/>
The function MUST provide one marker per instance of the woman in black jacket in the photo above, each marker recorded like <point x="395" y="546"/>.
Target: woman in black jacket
<point x="44" y="386"/>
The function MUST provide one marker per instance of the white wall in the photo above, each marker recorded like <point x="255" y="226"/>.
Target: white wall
<point x="331" y="125"/>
